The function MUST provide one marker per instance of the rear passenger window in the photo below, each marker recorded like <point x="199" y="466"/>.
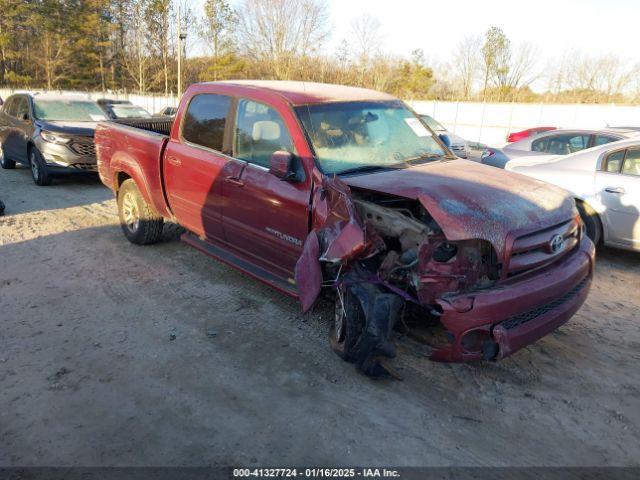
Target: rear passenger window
<point x="10" y="106"/>
<point x="540" y="145"/>
<point x="563" y="144"/>
<point x="260" y="131"/>
<point x="613" y="162"/>
<point x="632" y="163"/>
<point x="205" y="120"/>
<point x="604" y="139"/>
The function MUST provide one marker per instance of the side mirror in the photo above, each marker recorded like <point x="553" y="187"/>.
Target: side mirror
<point x="445" y="139"/>
<point x="282" y="165"/>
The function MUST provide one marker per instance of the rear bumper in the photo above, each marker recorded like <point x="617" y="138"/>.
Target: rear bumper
<point x="510" y="317"/>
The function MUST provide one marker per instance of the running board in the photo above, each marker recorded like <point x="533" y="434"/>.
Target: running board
<point x="241" y="264"/>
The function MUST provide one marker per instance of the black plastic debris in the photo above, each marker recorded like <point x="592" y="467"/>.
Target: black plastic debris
<point x="381" y="312"/>
<point x="1" y="208"/>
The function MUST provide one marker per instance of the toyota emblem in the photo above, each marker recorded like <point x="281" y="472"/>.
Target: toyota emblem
<point x="556" y="243"/>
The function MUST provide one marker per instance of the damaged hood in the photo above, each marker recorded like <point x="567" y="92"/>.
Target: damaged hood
<point x="474" y="201"/>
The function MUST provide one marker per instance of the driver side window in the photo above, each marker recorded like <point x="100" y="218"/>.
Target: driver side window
<point x="260" y="131"/>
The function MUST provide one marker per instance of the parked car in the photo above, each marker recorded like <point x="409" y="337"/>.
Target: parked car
<point x="517" y="136"/>
<point x="458" y="145"/>
<point x="556" y="142"/>
<point x="308" y="186"/>
<point x="605" y="182"/>
<point x="123" y="109"/>
<point x="167" y="112"/>
<point x="52" y="134"/>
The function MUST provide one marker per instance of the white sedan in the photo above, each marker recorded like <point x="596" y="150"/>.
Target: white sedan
<point x="605" y="182"/>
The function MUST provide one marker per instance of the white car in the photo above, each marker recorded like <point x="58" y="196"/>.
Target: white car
<point x="556" y="142"/>
<point x="605" y="182"/>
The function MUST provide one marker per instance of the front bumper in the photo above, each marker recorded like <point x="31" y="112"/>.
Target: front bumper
<point x="509" y="317"/>
<point x="61" y="158"/>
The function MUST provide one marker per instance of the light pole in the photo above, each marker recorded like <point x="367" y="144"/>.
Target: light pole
<point x="181" y="37"/>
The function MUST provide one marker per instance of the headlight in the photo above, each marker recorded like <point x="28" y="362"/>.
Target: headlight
<point x="54" y="138"/>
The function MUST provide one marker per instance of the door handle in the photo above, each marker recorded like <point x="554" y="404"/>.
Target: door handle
<point x="618" y="190"/>
<point x="174" y="161"/>
<point x="234" y="181"/>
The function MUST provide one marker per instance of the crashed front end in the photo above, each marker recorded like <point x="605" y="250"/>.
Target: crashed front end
<point x="492" y="293"/>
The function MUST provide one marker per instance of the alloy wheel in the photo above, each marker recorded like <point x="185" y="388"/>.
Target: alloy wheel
<point x="130" y="213"/>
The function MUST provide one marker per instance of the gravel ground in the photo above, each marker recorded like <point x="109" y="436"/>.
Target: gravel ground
<point x="113" y="354"/>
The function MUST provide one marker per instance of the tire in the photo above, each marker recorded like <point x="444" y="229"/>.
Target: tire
<point x="348" y="323"/>
<point x="5" y="162"/>
<point x="38" y="168"/>
<point x="138" y="221"/>
<point x="592" y="224"/>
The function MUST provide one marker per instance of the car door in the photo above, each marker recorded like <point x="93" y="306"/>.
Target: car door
<point x="264" y="216"/>
<point x="22" y="128"/>
<point x="194" y="164"/>
<point x="618" y="186"/>
<point x="6" y="125"/>
<point x="11" y="136"/>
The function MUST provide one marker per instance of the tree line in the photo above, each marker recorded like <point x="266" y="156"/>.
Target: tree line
<point x="132" y="46"/>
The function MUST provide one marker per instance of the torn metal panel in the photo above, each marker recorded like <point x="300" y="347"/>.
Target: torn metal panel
<point x="308" y="272"/>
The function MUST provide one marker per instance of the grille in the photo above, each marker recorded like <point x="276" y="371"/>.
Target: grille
<point x="525" y="317"/>
<point x="86" y="166"/>
<point x="533" y="250"/>
<point x="84" y="149"/>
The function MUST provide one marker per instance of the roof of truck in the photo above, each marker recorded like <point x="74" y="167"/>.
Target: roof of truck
<point x="302" y="93"/>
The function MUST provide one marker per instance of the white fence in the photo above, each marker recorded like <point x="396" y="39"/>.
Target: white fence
<point x="490" y="123"/>
<point x="487" y="123"/>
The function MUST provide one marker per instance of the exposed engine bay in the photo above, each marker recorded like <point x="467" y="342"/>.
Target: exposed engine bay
<point x="387" y="258"/>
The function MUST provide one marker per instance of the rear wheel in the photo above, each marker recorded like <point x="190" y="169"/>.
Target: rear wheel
<point x="347" y="324"/>
<point x="4" y="161"/>
<point x="39" y="171"/>
<point x="592" y="224"/>
<point x="138" y="221"/>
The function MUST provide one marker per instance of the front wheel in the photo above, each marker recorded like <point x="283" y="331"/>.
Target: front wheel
<point x="348" y="323"/>
<point x="5" y="162"/>
<point x="138" y="221"/>
<point x="593" y="227"/>
<point x="39" y="171"/>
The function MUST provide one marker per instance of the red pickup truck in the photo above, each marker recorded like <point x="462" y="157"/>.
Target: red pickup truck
<point x="321" y="188"/>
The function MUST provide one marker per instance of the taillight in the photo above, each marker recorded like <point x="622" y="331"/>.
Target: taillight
<point x="487" y="152"/>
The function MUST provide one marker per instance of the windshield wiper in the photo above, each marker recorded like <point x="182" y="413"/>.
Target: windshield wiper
<point x="370" y="168"/>
<point x="426" y="156"/>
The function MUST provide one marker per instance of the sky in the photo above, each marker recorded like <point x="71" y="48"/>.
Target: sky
<point x="554" y="26"/>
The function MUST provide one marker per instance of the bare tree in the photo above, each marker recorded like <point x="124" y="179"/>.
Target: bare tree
<point x="467" y="61"/>
<point x="279" y="31"/>
<point x="367" y="36"/>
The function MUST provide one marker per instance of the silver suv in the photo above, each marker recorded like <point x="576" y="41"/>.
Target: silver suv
<point x="52" y="134"/>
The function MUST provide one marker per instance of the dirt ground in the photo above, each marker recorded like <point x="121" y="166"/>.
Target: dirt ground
<point x="113" y="354"/>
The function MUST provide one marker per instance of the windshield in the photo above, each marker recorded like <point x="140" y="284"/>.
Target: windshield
<point x="433" y="124"/>
<point x="364" y="135"/>
<point x="129" y="111"/>
<point x="68" y="110"/>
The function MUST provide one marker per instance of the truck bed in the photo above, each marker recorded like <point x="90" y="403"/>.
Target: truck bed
<point x="160" y="125"/>
<point x="134" y="148"/>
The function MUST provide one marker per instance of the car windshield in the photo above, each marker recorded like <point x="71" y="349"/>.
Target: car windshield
<point x="69" y="110"/>
<point x="129" y="111"/>
<point x="433" y="124"/>
<point x="366" y="135"/>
